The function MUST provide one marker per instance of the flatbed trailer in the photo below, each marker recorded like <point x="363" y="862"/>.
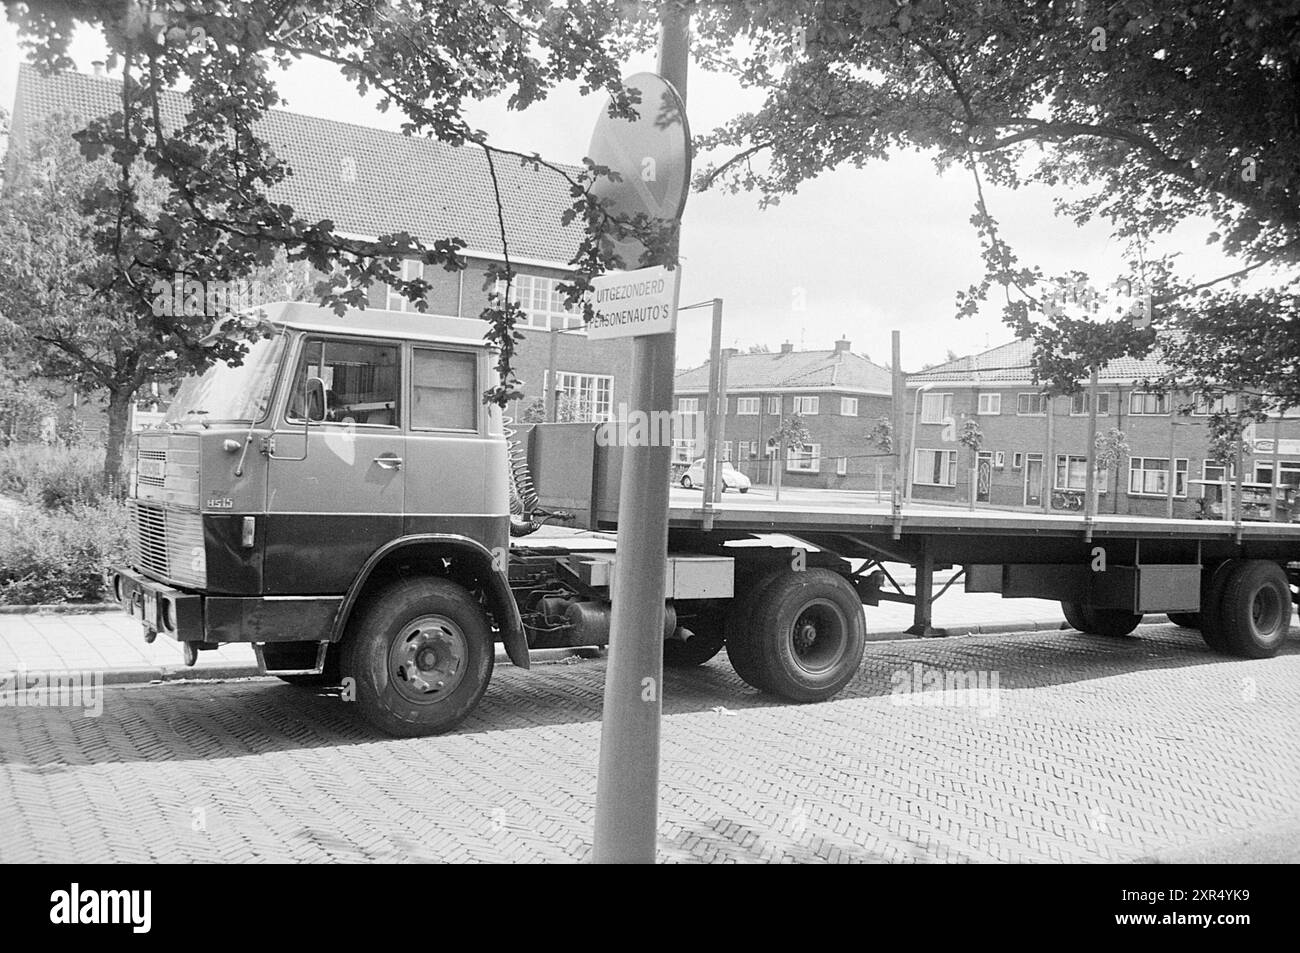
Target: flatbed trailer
<point x="343" y="502"/>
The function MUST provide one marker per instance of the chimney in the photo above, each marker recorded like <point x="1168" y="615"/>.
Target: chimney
<point x="787" y="347"/>
<point x="842" y="346"/>
<point x="97" y="66"/>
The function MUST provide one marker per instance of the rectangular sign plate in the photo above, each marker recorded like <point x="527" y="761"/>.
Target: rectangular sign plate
<point x="634" y="303"/>
<point x="153" y="469"/>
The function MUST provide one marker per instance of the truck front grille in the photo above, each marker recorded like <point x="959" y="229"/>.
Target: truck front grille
<point x="167" y="543"/>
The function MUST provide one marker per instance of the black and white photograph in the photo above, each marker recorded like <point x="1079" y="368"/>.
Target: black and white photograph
<point x="651" y="432"/>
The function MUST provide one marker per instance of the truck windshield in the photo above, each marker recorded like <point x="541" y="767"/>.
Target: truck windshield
<point x="227" y="392"/>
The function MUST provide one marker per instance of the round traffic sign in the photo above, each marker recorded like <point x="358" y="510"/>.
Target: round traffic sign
<point x="651" y="154"/>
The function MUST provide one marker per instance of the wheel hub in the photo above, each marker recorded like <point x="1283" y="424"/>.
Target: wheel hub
<point x="427" y="661"/>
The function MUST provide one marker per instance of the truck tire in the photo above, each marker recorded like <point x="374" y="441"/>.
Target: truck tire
<point x="707" y="638"/>
<point x="806" y="636"/>
<point x="420" y="652"/>
<point x="1211" y="601"/>
<point x="741" y="644"/>
<point x="1097" y="621"/>
<point x="1187" y="620"/>
<point x="1254" y="609"/>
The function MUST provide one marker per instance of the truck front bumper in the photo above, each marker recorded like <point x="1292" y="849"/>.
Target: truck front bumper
<point x="159" y="608"/>
<point x="209" y="620"/>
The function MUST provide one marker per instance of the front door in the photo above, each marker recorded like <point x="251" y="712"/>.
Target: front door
<point x="983" y="477"/>
<point x="1034" y="479"/>
<point x="336" y="496"/>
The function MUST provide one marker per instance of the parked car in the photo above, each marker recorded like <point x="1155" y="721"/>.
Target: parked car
<point x="732" y="479"/>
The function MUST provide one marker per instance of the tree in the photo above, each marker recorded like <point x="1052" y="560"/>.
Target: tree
<point x="881" y="433"/>
<point x="569" y="410"/>
<point x="1112" y="449"/>
<point x="790" y="436"/>
<point x="1156" y="112"/>
<point x="972" y="437"/>
<point x="54" y="321"/>
<point x="759" y="349"/>
<point x="214" y="220"/>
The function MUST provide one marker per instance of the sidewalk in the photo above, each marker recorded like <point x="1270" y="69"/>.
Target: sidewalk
<point x="113" y="642"/>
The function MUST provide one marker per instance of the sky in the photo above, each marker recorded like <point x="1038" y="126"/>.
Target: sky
<point x="856" y="253"/>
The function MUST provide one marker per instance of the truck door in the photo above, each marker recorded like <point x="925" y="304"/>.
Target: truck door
<point x="332" y="502"/>
<point x="455" y="468"/>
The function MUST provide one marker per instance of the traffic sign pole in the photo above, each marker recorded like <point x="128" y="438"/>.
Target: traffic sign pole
<point x="627" y="786"/>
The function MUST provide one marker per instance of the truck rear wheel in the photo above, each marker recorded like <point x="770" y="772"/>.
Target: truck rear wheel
<point x="804" y="638"/>
<point x="1211" y="599"/>
<point x="1254" y="611"/>
<point x="421" y="655"/>
<point x="1098" y="621"/>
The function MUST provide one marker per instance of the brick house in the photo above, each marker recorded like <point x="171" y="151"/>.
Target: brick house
<point x="1034" y="449"/>
<point x="371" y="182"/>
<point x="839" y="394"/>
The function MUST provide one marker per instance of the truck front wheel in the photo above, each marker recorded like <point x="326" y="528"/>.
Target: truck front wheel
<point x="803" y="638"/>
<point x="420" y="653"/>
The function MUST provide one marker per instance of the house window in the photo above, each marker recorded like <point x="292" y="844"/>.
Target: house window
<point x="1017" y="461"/>
<point x="688" y="405"/>
<point x="591" y="394"/>
<point x="1071" y="472"/>
<point x="542" y="303"/>
<point x="1031" y="405"/>
<point x="807" y="460"/>
<point x="935" y="408"/>
<point x="1288" y="473"/>
<point x="746" y="449"/>
<point x="989" y="404"/>
<point x="841" y="466"/>
<point x="935" y="468"/>
<point x="774" y="406"/>
<point x="1079" y="404"/>
<point x="1205" y="405"/>
<point x="411" y="269"/>
<point x="807" y="406"/>
<point x="848" y="406"/>
<point x="683" y="450"/>
<point x="1149" y="476"/>
<point x="1215" y="471"/>
<point x="1143" y="403"/>
<point x="726" y="450"/>
<point x="747" y="406"/>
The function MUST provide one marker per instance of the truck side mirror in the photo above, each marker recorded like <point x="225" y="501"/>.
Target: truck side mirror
<point x="314" y="399"/>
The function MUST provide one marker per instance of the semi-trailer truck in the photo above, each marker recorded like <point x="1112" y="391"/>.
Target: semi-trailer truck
<point x="342" y="500"/>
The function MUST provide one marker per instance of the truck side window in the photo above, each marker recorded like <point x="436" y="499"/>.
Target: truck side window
<point x="361" y="381"/>
<point x="444" y="395"/>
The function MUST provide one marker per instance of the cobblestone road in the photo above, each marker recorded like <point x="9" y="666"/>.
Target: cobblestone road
<point x="1092" y="750"/>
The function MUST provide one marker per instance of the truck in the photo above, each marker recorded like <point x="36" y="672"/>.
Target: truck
<point x="343" y="500"/>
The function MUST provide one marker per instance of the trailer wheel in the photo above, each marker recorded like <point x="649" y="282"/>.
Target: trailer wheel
<point x="421" y="655"/>
<point x="1211" y="601"/>
<point x="1188" y="620"/>
<point x="1094" y="620"/>
<point x="1255" y="609"/>
<point x="806" y="636"/>
<point x="741" y="642"/>
<point x="706" y="641"/>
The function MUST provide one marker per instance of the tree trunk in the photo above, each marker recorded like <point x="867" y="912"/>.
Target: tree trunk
<point x="119" y="422"/>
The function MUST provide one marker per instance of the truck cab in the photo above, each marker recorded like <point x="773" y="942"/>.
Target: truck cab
<point x="346" y="464"/>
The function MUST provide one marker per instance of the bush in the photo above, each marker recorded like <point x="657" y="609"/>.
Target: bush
<point x="59" y="555"/>
<point x="56" y="477"/>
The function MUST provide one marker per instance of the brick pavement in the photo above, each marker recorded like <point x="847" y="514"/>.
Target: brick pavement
<point x="1099" y="750"/>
